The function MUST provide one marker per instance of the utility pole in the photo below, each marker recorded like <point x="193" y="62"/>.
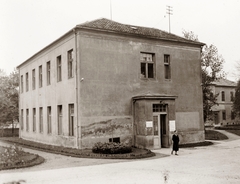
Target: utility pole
<point x="111" y="9"/>
<point x="169" y="12"/>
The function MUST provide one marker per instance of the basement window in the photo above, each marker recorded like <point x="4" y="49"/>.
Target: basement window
<point x="115" y="139"/>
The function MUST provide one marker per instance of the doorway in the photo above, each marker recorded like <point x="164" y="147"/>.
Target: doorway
<point x="160" y="138"/>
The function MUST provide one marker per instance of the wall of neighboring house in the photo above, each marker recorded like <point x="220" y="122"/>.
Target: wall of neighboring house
<point x="111" y="68"/>
<point x="223" y="112"/>
<point x="48" y="97"/>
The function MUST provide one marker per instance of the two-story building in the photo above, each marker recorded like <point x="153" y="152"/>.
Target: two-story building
<point x="222" y="111"/>
<point x="107" y="81"/>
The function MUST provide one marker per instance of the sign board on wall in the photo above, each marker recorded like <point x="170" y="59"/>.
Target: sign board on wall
<point x="149" y="124"/>
<point x="172" y="125"/>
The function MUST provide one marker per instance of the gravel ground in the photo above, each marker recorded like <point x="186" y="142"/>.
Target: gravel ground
<point x="216" y="164"/>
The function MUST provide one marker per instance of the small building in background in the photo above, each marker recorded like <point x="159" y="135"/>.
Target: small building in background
<point x="222" y="112"/>
<point x="106" y="81"/>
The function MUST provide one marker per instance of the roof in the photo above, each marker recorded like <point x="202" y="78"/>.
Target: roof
<point x="109" y="25"/>
<point x="224" y="82"/>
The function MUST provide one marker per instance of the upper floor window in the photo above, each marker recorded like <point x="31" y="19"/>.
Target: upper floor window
<point x="33" y="79"/>
<point x="70" y="64"/>
<point x="40" y="76"/>
<point x="48" y="73"/>
<point x="59" y="68"/>
<point x="26" y="81"/>
<point x="232" y="96"/>
<point x="223" y="96"/>
<point x="167" y="68"/>
<point x="21" y="83"/>
<point x="147" y="65"/>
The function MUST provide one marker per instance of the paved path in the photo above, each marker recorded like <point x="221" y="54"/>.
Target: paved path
<point x="216" y="164"/>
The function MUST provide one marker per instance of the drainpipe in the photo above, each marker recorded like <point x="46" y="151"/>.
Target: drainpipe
<point x="76" y="86"/>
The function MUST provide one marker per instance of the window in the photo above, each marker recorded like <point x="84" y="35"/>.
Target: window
<point x="147" y="65"/>
<point x="59" y="119"/>
<point x="48" y="73"/>
<point x="26" y="81"/>
<point x="70" y="64"/>
<point x="159" y="108"/>
<point x="223" y="96"/>
<point x="167" y="68"/>
<point x="22" y="125"/>
<point x="224" y="115"/>
<point x="59" y="68"/>
<point x="115" y="139"/>
<point x="232" y="115"/>
<point x="40" y="119"/>
<point x="40" y="76"/>
<point x="21" y="83"/>
<point x="71" y="119"/>
<point x="232" y="96"/>
<point x="33" y="79"/>
<point x="155" y="125"/>
<point x="49" y="122"/>
<point x="34" y="119"/>
<point x="27" y="120"/>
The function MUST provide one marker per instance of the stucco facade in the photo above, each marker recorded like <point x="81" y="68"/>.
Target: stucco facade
<point x="130" y="84"/>
<point x="222" y="113"/>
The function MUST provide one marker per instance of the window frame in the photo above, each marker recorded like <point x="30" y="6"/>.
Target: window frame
<point x="34" y="119"/>
<point x="167" y="66"/>
<point x="49" y="120"/>
<point x="33" y="79"/>
<point x="146" y="62"/>
<point x="59" y="119"/>
<point x="27" y="82"/>
<point x="71" y="119"/>
<point x="70" y="64"/>
<point x="40" y="76"/>
<point x="48" y="71"/>
<point x="40" y="119"/>
<point x="59" y="68"/>
<point x="21" y="83"/>
<point x="223" y="96"/>
<point x="27" y="120"/>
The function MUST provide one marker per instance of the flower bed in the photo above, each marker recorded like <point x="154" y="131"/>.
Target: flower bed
<point x="81" y="153"/>
<point x="14" y="157"/>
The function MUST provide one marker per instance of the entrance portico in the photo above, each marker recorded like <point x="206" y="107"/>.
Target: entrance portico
<point x="152" y="114"/>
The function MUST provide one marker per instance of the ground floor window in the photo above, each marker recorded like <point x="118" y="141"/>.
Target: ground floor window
<point x="34" y="119"/>
<point x="22" y="119"/>
<point x="40" y="119"/>
<point x="59" y="119"/>
<point x="27" y="120"/>
<point x="49" y="121"/>
<point x="71" y="119"/>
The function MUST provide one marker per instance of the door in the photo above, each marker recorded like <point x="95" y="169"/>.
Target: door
<point x="164" y="130"/>
<point x="156" y="132"/>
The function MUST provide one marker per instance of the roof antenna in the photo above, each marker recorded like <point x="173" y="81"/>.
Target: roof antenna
<point x="111" y="9"/>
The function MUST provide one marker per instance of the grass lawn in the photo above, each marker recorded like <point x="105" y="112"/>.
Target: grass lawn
<point x="214" y="135"/>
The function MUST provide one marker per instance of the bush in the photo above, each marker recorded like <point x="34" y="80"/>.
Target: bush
<point x="111" y="148"/>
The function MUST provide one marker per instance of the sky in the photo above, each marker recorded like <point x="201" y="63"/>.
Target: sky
<point x="27" y="26"/>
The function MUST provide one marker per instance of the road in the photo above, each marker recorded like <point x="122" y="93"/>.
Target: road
<point x="214" y="164"/>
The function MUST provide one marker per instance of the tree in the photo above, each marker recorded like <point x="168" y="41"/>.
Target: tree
<point x="8" y="97"/>
<point x="211" y="65"/>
